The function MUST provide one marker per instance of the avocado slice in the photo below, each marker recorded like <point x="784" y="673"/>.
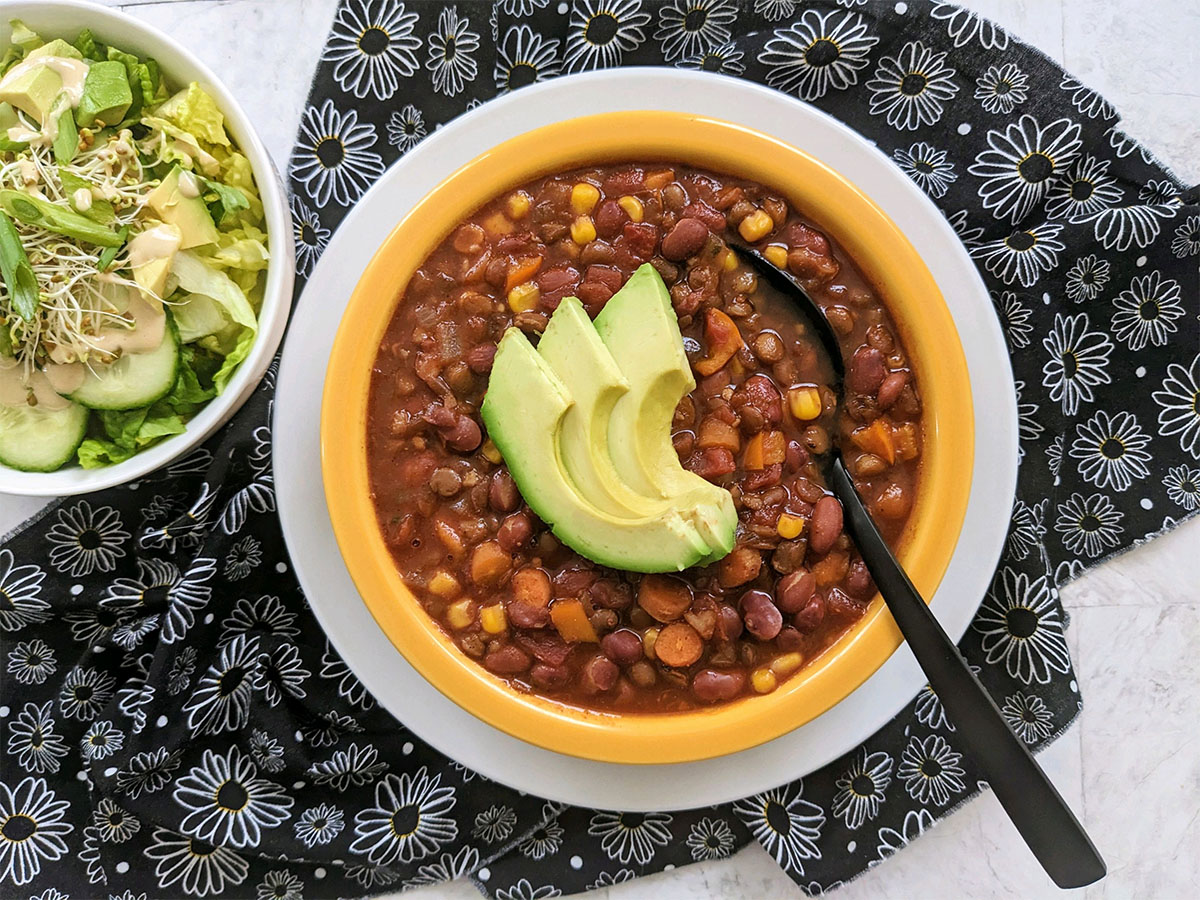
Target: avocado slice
<point x="175" y="205"/>
<point x="32" y="90"/>
<point x="150" y="256"/>
<point x="106" y="94"/>
<point x="56" y="47"/>
<point x="524" y="410"/>
<point x="639" y="327"/>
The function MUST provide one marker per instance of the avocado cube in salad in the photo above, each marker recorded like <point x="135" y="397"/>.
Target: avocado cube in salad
<point x="106" y="95"/>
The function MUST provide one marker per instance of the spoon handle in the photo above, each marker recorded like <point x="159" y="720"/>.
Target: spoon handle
<point x="1033" y="804"/>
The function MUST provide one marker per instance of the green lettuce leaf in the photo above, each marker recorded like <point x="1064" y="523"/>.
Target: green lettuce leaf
<point x="195" y="276"/>
<point x="95" y="453"/>
<point x="24" y="37"/>
<point x="224" y="201"/>
<point x="233" y="359"/>
<point x="193" y="110"/>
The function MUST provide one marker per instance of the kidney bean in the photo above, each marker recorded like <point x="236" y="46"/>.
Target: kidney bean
<point x="839" y="603"/>
<point x="889" y="390"/>
<point x="760" y="392"/>
<point x="739" y="567"/>
<point x="597" y="252"/>
<point x="547" y="646"/>
<point x="610" y="218"/>
<point x="480" y="357"/>
<point x="685" y="239"/>
<point x="574" y="581"/>
<point x="795" y="590"/>
<point x="789" y="639"/>
<point x="880" y="338"/>
<point x="526" y="615"/>
<point x="825" y="525"/>
<point x="762" y="617"/>
<point x="503" y="494"/>
<point x="866" y="371"/>
<point x="809" y="266"/>
<point x="809" y="619"/>
<point x="557" y="282"/>
<point x="800" y="235"/>
<point x="859" y="582"/>
<point x="593" y="295"/>
<point x="515" y="531"/>
<point x="507" y="660"/>
<point x="598" y="675"/>
<point x="762" y="478"/>
<point x="626" y="181"/>
<point x="664" y="597"/>
<point x="459" y="431"/>
<point x="796" y="456"/>
<point x="768" y="346"/>
<point x="609" y="594"/>
<point x="841" y="319"/>
<point x="545" y="676"/>
<point x="714" y="685"/>
<point x="729" y="624"/>
<point x="623" y="647"/>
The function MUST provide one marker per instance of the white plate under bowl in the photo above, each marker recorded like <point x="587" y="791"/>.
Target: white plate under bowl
<point x="327" y="584"/>
<point x="65" y="19"/>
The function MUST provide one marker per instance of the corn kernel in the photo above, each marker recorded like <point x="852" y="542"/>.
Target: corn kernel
<point x="789" y="526"/>
<point x="584" y="198"/>
<point x="649" y="637"/>
<point x="756" y="226"/>
<point x="785" y="664"/>
<point x="730" y="261"/>
<point x="518" y="204"/>
<point x="493" y="619"/>
<point x="763" y="680"/>
<point x="524" y="297"/>
<point x="776" y="255"/>
<point x="460" y="614"/>
<point x="443" y="584"/>
<point x="632" y="206"/>
<point x="491" y="452"/>
<point x="583" y="230"/>
<point x="805" y="403"/>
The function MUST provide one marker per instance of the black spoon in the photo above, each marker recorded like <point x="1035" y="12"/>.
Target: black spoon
<point x="1033" y="804"/>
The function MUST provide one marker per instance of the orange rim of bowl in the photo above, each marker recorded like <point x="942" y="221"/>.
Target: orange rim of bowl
<point x="885" y="257"/>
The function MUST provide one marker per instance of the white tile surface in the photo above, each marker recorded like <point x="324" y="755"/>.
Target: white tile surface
<point x="1131" y="766"/>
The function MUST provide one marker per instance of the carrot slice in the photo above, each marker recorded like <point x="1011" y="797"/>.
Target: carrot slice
<point x="678" y="645"/>
<point x="570" y="618"/>
<point x="774" y="448"/>
<point x="752" y="460"/>
<point x="723" y="338"/>
<point x="665" y="598"/>
<point x="521" y="271"/>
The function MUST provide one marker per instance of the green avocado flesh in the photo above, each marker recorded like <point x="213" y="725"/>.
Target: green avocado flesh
<point x="552" y="413"/>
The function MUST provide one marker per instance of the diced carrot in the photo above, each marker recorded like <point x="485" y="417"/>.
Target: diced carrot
<point x="521" y="271"/>
<point x="723" y="338"/>
<point x="774" y="448"/>
<point x="571" y="620"/>
<point x="489" y="563"/>
<point x="715" y="433"/>
<point x="876" y="438"/>
<point x="752" y="459"/>
<point x="531" y="586"/>
<point x="678" y="645"/>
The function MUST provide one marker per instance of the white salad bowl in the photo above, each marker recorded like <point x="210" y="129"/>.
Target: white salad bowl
<point x="65" y="19"/>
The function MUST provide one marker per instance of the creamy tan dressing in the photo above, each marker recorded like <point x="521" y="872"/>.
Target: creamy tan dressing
<point x="146" y="333"/>
<point x="65" y="377"/>
<point x="22" y="133"/>
<point x="188" y="185"/>
<point x="16" y="391"/>
<point x="159" y="242"/>
<point x="82" y="199"/>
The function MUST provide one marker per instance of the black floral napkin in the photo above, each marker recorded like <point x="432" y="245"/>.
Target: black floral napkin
<point x="174" y="723"/>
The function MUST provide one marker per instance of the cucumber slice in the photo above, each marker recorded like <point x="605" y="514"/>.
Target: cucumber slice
<point x="33" y="439"/>
<point x="136" y="379"/>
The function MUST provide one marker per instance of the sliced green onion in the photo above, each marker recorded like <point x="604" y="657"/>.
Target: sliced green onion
<point x="41" y="212"/>
<point x="66" y="142"/>
<point x="105" y="259"/>
<point x="18" y="273"/>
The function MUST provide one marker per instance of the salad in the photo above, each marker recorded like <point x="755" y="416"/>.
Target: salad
<point x="133" y="253"/>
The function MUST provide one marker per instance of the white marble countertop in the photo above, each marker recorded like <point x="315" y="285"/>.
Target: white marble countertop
<point x="1130" y="766"/>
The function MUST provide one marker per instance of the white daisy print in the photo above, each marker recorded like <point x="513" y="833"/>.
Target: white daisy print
<point x="819" y="53"/>
<point x="101" y="740"/>
<point x="725" y="59"/>
<point x="31" y="662"/>
<point x="1122" y="227"/>
<point x="910" y="88"/>
<point x="860" y="789"/>
<point x="601" y="32"/>
<point x="85" y="540"/>
<point x="1022" y="256"/>
<point x="113" y="824"/>
<point x="966" y="232"/>
<point x="608" y="879"/>
<point x="266" y="752"/>
<point x="405" y="128"/>
<point x="199" y="868"/>
<point x="1021" y="164"/>
<point x="319" y="825"/>
<point x="227" y="802"/>
<point x="185" y="530"/>
<point x="1001" y="89"/>
<point x="328" y="728"/>
<point x="1147" y="310"/>
<point x="1180" y="402"/>
<point x="265" y="616"/>
<point x="334" y="668"/>
<point x="930" y="770"/>
<point x="333" y="159"/>
<point x="916" y="823"/>
<point x="183" y="666"/>
<point x="520" y="7"/>
<point x="280" y="885"/>
<point x="1029" y="429"/>
<point x="259" y="495"/>
<point x="786" y="824"/>
<point x="348" y="768"/>
<point x="372" y="876"/>
<point x="130" y="633"/>
<point x="525" y="57"/>
<point x="449" y="867"/>
<point x="1086" y="100"/>
<point x="1014" y="318"/>
<point x="20" y="590"/>
<point x="372" y="47"/>
<point x="1026" y="529"/>
<point x="690" y="27"/>
<point x="451" y="58"/>
<point x="774" y="10"/>
<point x="33" y="741"/>
<point x="186" y="597"/>
<point x="544" y="840"/>
<point x="221" y="701"/>
<point x="1022" y="627"/>
<point x="1183" y="486"/>
<point x="524" y="890"/>
<point x="1187" y="238"/>
<point x="631" y="837"/>
<point x="1087" y="278"/>
<point x="710" y="839"/>
<point x="147" y="772"/>
<point x="928" y="167"/>
<point x="280" y="673"/>
<point x="1028" y="717"/>
<point x="32" y="829"/>
<point x="84" y="693"/>
<point x="1078" y="361"/>
<point x="494" y="824"/>
<point x="929" y="709"/>
<point x="90" y="854"/>
<point x="149" y="590"/>
<point x="311" y="239"/>
<point x="1054" y="455"/>
<point x="1111" y="450"/>
<point x="964" y="27"/>
<point x="410" y="820"/>
<point x="1087" y="190"/>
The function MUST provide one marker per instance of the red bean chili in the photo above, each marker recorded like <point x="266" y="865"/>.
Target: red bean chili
<point x="494" y="577"/>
